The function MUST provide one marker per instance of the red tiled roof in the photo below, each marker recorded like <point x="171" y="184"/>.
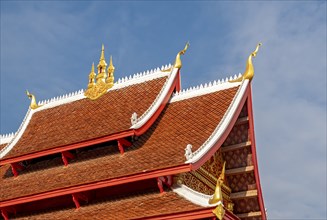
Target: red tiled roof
<point x="133" y="207"/>
<point x="190" y="121"/>
<point x="2" y="146"/>
<point x="86" y="119"/>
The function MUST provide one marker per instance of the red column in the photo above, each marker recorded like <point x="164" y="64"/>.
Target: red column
<point x="160" y="186"/>
<point x="4" y="214"/>
<point x="75" y="200"/>
<point x="65" y="155"/>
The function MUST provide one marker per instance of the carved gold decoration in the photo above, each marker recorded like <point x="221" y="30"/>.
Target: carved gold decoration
<point x="33" y="104"/>
<point x="178" y="62"/>
<point x="219" y="211"/>
<point x="249" y="70"/>
<point x="111" y="70"/>
<point x="99" y="86"/>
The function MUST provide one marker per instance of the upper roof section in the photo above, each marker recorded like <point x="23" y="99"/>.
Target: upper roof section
<point x="104" y="110"/>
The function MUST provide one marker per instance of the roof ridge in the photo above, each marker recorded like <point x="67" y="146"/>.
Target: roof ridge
<point x="121" y="81"/>
<point x="142" y="74"/>
<point x="201" y="89"/>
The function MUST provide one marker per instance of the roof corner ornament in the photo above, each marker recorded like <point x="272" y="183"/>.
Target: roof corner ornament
<point x="188" y="152"/>
<point x="217" y="197"/>
<point x="134" y="118"/>
<point x="101" y="82"/>
<point x="178" y="61"/>
<point x="249" y="70"/>
<point x="33" y="104"/>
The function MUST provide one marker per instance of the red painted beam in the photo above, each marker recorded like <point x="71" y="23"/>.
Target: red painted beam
<point x="15" y="167"/>
<point x="65" y="155"/>
<point x="254" y="155"/>
<point x="121" y="143"/>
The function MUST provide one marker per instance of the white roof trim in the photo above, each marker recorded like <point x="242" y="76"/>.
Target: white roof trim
<point x="204" y="89"/>
<point x="18" y="134"/>
<point x="74" y="96"/>
<point x="220" y="129"/>
<point x="157" y="102"/>
<point x="6" y="138"/>
<point x="194" y="196"/>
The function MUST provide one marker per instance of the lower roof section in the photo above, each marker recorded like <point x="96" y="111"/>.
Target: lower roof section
<point x="148" y="205"/>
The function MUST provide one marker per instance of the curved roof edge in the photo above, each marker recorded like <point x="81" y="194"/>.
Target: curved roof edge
<point x="222" y="126"/>
<point x="164" y="92"/>
<point x="194" y="196"/>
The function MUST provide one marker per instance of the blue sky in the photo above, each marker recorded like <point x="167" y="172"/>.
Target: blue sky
<point x="48" y="48"/>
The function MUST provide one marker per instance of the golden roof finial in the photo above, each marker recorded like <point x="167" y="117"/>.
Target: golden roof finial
<point x="91" y="77"/>
<point x="111" y="68"/>
<point x="110" y="78"/>
<point x="102" y="62"/>
<point x="217" y="197"/>
<point x="178" y="61"/>
<point x="249" y="70"/>
<point x="33" y="104"/>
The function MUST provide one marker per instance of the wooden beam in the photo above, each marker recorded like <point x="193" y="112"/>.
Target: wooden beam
<point x="239" y="170"/>
<point x="242" y="120"/>
<point x="249" y="215"/>
<point x="244" y="194"/>
<point x="235" y="146"/>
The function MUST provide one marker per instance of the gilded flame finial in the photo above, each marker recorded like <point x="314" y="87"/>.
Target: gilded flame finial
<point x="33" y="104"/>
<point x="217" y="197"/>
<point x="178" y="61"/>
<point x="92" y="76"/>
<point x="111" y="70"/>
<point x="249" y="70"/>
<point x="101" y="82"/>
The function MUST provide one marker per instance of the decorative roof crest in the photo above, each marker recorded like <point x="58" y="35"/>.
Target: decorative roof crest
<point x="217" y="197"/>
<point x="33" y="104"/>
<point x="178" y="61"/>
<point x="99" y="86"/>
<point x="249" y="70"/>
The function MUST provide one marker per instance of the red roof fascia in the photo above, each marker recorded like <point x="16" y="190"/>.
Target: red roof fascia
<point x="96" y="185"/>
<point x="254" y="154"/>
<point x="154" y="117"/>
<point x="111" y="137"/>
<point x="221" y="140"/>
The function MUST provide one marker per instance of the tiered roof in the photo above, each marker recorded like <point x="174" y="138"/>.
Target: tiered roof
<point x="174" y="140"/>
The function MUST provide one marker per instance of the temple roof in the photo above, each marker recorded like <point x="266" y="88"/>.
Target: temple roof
<point x="162" y="146"/>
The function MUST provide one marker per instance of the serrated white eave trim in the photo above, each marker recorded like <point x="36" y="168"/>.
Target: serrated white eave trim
<point x="156" y="104"/>
<point x="4" y="139"/>
<point x="193" y="196"/>
<point x="186" y="94"/>
<point x="222" y="126"/>
<point x="18" y="135"/>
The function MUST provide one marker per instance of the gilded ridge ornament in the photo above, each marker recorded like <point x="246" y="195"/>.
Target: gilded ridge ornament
<point x="178" y="61"/>
<point x="217" y="197"/>
<point x="249" y="70"/>
<point x="101" y="82"/>
<point x="33" y="104"/>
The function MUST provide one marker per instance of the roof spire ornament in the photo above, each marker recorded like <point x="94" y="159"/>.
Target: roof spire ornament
<point x="33" y="104"/>
<point x="91" y="77"/>
<point x="99" y="86"/>
<point x="217" y="197"/>
<point x="178" y="61"/>
<point x="111" y="70"/>
<point x="249" y="70"/>
<point x="102" y="74"/>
